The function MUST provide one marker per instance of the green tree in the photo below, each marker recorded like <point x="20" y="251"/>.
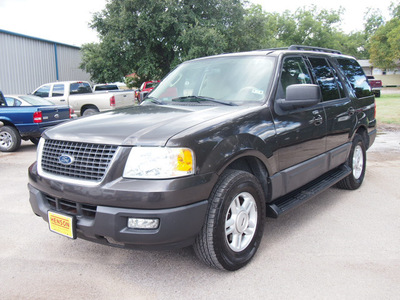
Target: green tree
<point x="373" y="19"/>
<point x="309" y="26"/>
<point x="151" y="37"/>
<point x="385" y="43"/>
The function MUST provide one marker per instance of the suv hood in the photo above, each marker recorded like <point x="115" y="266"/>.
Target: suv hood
<point x="139" y="125"/>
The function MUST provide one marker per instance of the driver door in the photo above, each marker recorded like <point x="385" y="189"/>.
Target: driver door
<point x="301" y="133"/>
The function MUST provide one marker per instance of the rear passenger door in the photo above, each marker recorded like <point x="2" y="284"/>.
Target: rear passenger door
<point x="340" y="114"/>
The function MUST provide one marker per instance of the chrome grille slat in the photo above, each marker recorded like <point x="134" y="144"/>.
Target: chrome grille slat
<point x="90" y="160"/>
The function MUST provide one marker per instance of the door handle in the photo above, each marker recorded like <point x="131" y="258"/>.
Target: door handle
<point x="62" y="100"/>
<point x="317" y="120"/>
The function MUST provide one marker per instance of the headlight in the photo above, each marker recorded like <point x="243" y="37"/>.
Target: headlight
<point x="159" y="162"/>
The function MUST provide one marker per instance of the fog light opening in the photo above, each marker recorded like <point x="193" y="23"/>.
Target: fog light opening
<point x="138" y="223"/>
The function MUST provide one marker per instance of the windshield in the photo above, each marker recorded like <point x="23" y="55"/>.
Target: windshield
<point x="36" y="101"/>
<point x="239" y="80"/>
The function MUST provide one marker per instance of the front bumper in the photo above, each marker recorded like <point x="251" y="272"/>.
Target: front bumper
<point x="108" y="225"/>
<point x="102" y="212"/>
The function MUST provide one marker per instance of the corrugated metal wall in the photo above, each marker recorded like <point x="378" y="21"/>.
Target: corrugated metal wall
<point x="27" y="62"/>
<point x="69" y="60"/>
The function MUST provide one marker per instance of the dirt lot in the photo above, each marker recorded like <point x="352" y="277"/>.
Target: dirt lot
<point x="341" y="245"/>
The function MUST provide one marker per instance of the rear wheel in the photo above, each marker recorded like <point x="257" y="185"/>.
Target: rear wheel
<point x="10" y="140"/>
<point x="234" y="224"/>
<point x="357" y="162"/>
<point x="90" y="112"/>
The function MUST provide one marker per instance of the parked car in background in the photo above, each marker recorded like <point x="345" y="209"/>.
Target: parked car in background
<point x="376" y="85"/>
<point x="79" y="95"/>
<point x="25" y="117"/>
<point x="145" y="89"/>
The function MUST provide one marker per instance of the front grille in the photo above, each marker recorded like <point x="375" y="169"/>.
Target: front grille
<point x="89" y="161"/>
<point x="71" y="208"/>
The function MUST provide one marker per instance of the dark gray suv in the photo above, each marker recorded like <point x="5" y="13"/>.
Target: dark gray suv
<point x="221" y="143"/>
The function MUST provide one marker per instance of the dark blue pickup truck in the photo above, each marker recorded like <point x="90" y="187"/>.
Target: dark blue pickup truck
<point x="25" y="118"/>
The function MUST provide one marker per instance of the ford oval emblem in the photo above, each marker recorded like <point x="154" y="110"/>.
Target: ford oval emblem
<point x="66" y="159"/>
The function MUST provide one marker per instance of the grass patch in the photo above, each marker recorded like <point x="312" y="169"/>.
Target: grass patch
<point x="388" y="109"/>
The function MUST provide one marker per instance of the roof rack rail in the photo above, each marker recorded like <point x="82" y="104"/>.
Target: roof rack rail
<point x="312" y="48"/>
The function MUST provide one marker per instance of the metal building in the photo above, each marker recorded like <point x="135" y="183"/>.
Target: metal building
<point x="27" y="62"/>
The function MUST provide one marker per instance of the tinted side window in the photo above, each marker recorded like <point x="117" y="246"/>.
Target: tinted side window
<point x="80" y="88"/>
<point x="43" y="91"/>
<point x="58" y="90"/>
<point x="355" y="74"/>
<point x="325" y="78"/>
<point x="294" y="71"/>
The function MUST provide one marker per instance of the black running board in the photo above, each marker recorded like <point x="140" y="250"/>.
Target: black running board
<point x="307" y="192"/>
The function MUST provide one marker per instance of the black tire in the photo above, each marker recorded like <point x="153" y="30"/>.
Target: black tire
<point x="90" y="112"/>
<point x="10" y="140"/>
<point x="225" y="224"/>
<point x="357" y="162"/>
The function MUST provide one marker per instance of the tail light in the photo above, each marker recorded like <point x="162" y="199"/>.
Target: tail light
<point x="112" y="101"/>
<point x="37" y="117"/>
<point x="71" y="112"/>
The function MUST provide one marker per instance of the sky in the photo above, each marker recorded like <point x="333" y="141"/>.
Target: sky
<point x="67" y="21"/>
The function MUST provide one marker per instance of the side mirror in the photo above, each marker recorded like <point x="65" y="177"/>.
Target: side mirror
<point x="142" y="96"/>
<point x="300" y="95"/>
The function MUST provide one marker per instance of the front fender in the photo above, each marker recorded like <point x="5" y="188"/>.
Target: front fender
<point x="238" y="146"/>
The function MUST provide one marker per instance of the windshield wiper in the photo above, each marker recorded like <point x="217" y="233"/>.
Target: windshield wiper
<point x="199" y="99"/>
<point x="153" y="100"/>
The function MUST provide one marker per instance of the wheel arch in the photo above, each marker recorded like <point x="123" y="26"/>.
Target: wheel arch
<point x="8" y="123"/>
<point x="87" y="106"/>
<point x="252" y="164"/>
<point x="363" y="132"/>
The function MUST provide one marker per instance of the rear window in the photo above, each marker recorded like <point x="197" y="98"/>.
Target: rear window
<point x="355" y="74"/>
<point x="108" y="87"/>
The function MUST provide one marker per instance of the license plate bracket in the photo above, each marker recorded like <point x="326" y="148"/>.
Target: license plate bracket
<point x="62" y="224"/>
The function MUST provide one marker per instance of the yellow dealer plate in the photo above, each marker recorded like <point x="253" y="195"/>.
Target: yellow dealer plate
<point x="62" y="224"/>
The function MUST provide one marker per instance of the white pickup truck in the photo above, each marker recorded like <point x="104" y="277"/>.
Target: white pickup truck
<point x="79" y="95"/>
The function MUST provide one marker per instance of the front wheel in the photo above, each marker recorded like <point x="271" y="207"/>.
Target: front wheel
<point x="357" y="162"/>
<point x="234" y="224"/>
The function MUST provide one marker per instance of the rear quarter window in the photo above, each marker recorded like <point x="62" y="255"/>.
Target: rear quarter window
<point x="355" y="74"/>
